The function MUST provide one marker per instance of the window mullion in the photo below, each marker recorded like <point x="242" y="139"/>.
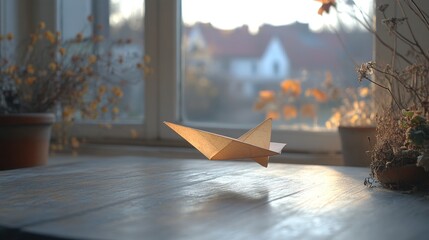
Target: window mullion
<point x="168" y="67"/>
<point x="151" y="47"/>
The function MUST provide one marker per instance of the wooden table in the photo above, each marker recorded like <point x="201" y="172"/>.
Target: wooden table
<point x="155" y="198"/>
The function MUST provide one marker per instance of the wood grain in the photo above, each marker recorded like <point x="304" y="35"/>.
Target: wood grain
<point x="156" y="198"/>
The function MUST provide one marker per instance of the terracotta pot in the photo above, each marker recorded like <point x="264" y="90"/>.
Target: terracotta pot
<point x="404" y="175"/>
<point x="355" y="144"/>
<point x="24" y="140"/>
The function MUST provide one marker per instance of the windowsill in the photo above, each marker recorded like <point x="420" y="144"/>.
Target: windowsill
<point x="111" y="150"/>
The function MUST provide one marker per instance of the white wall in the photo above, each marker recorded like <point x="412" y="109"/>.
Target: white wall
<point x="263" y="68"/>
<point x="195" y="39"/>
<point x="244" y="68"/>
<point x="274" y="53"/>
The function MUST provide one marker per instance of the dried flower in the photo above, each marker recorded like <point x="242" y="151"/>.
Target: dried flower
<point x="383" y="7"/>
<point x="30" y="80"/>
<point x="365" y="70"/>
<point x="9" y="36"/>
<point x="53" y="66"/>
<point x="115" y="110"/>
<point x="30" y="69"/>
<point x="74" y="78"/>
<point x="117" y="91"/>
<point x="68" y="113"/>
<point x="11" y="69"/>
<point x="62" y="51"/>
<point x="102" y="89"/>
<point x="41" y="81"/>
<point x="79" y="37"/>
<point x="97" y="38"/>
<point x="92" y="59"/>
<point x="42" y="25"/>
<point x="50" y="37"/>
<point x="392" y="23"/>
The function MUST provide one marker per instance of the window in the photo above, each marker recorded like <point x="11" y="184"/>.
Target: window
<point x="276" y="68"/>
<point x="285" y="46"/>
<point x="303" y="67"/>
<point x="210" y="75"/>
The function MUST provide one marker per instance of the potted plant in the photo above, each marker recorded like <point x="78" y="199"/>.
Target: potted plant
<point x="291" y="101"/>
<point x="400" y="156"/>
<point x="47" y="77"/>
<point x="355" y="120"/>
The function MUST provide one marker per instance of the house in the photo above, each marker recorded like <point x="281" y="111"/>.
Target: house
<point x="239" y="54"/>
<point x="271" y="55"/>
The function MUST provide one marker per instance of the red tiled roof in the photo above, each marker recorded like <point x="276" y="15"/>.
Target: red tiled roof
<point x="304" y="48"/>
<point x="232" y="43"/>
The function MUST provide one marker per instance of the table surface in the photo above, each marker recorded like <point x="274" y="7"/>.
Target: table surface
<point x="155" y="198"/>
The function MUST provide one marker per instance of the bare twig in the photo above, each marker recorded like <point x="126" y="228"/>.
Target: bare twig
<point x="421" y="14"/>
<point x="412" y="33"/>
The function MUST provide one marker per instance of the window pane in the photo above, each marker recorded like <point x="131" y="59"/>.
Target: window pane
<point x="126" y="22"/>
<point x="247" y="60"/>
<point x="119" y="24"/>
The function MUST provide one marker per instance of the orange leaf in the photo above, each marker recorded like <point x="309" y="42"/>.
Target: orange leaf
<point x="267" y="95"/>
<point x="317" y="94"/>
<point x="273" y="115"/>
<point x="363" y="92"/>
<point x="292" y="87"/>
<point x="326" y="6"/>
<point x="308" y="110"/>
<point x="289" y="112"/>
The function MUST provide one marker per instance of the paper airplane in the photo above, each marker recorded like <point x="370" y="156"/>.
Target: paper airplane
<point x="255" y="144"/>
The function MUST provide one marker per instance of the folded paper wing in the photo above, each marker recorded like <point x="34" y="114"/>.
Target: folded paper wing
<point x="254" y="144"/>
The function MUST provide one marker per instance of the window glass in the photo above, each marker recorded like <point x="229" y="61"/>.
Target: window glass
<point x="119" y="94"/>
<point x="244" y="61"/>
<point x="126" y="21"/>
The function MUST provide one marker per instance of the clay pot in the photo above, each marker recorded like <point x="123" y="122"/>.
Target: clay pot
<point x="403" y="175"/>
<point x="24" y="140"/>
<point x="355" y="143"/>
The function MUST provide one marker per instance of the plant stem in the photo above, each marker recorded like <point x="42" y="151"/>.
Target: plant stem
<point x="416" y="43"/>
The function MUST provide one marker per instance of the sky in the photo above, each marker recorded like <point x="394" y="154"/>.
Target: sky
<point x="126" y="9"/>
<point x="229" y="14"/>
